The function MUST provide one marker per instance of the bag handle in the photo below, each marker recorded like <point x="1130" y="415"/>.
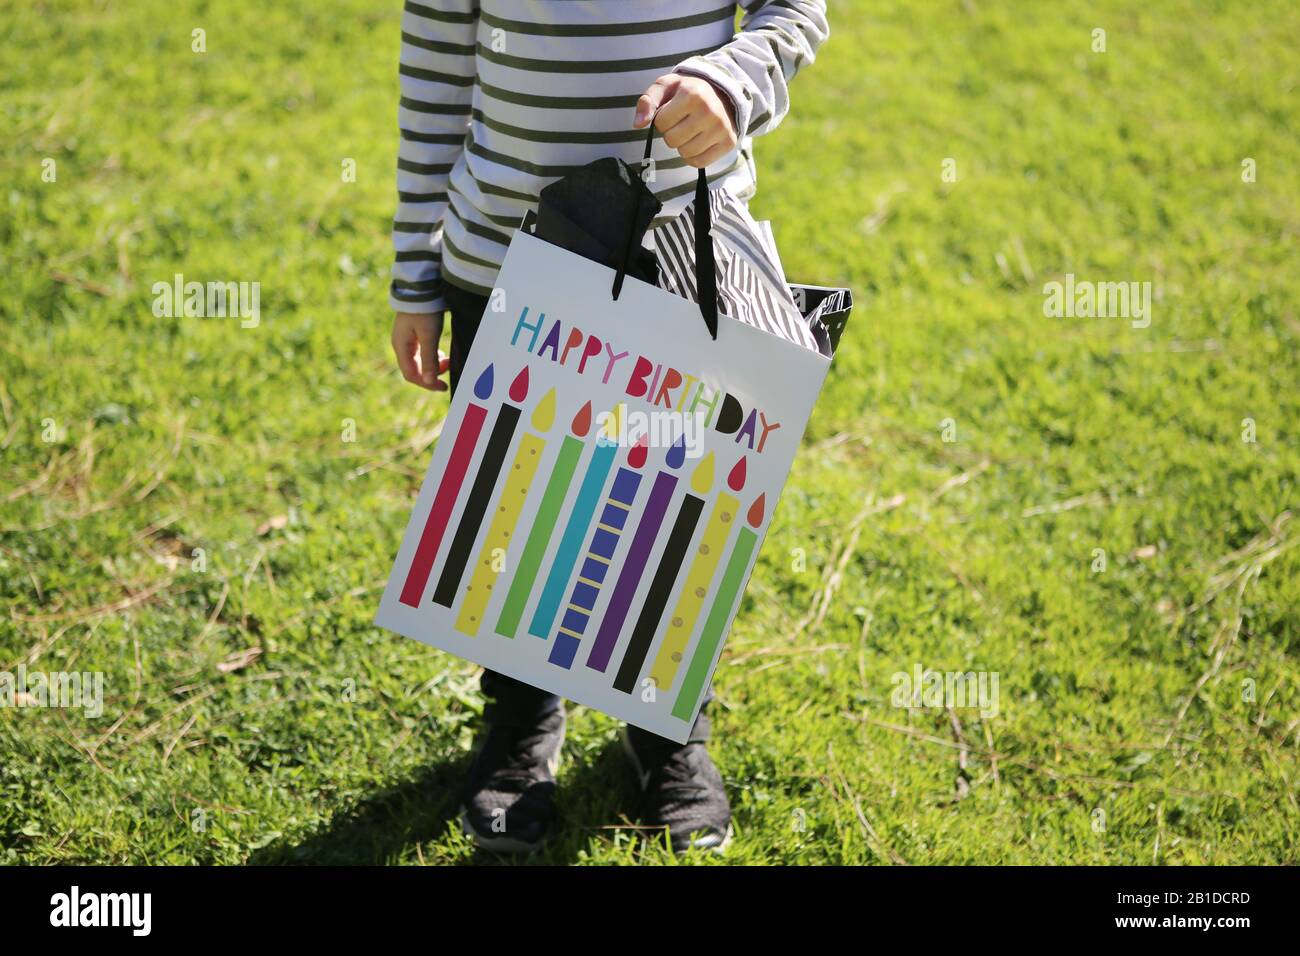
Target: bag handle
<point x="706" y="279"/>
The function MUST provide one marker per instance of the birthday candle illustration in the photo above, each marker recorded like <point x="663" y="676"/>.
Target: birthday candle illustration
<point x="548" y="512"/>
<point x="518" y="480"/>
<point x="600" y="553"/>
<point x="698" y="577"/>
<point x="575" y="532"/>
<point x="480" y="492"/>
<point x="733" y="579"/>
<point x="444" y="499"/>
<point x="638" y="556"/>
<point x="661" y="585"/>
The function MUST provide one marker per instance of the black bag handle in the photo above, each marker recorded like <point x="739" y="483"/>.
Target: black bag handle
<point x="706" y="279"/>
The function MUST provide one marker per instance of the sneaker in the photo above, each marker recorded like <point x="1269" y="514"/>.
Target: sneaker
<point x="681" y="790"/>
<point x="508" y="802"/>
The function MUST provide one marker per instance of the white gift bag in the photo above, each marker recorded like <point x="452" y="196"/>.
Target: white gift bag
<point x="601" y="489"/>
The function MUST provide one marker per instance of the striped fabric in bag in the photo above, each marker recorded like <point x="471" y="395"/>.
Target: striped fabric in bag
<point x="751" y="283"/>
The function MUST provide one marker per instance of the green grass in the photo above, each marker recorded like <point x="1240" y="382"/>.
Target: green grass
<point x="1160" y="693"/>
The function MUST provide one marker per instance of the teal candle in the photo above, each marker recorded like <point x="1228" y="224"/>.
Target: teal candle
<point x="575" y="531"/>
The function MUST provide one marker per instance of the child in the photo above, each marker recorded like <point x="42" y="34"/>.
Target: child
<point x="498" y="99"/>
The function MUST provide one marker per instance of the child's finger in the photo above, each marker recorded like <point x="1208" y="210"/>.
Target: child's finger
<point x="444" y="366"/>
<point x="700" y="144"/>
<point x="653" y="98"/>
<point x="430" y="359"/>
<point x="691" y="126"/>
<point x="406" y="364"/>
<point x="709" y="156"/>
<point x="678" y="108"/>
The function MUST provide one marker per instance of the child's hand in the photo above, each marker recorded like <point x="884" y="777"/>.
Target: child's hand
<point x="415" y="342"/>
<point x="695" y="118"/>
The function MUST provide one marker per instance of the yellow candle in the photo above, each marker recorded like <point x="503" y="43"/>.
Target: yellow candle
<point x="491" y="559"/>
<point x="707" y="555"/>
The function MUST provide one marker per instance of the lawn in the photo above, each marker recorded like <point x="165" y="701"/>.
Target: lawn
<point x="1097" y="510"/>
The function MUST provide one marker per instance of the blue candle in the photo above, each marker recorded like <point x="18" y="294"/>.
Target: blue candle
<point x="575" y="531"/>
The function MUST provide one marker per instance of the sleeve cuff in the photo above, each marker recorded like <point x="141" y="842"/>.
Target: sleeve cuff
<point x="423" y="307"/>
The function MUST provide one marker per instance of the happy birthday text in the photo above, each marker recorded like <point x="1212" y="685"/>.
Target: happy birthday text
<point x="659" y="384"/>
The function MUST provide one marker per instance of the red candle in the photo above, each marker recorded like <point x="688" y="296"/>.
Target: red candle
<point x="444" y="499"/>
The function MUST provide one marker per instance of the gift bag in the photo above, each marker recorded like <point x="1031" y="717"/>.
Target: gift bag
<point x="606" y="474"/>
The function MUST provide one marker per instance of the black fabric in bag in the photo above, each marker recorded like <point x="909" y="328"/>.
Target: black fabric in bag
<point x="601" y="211"/>
<point x="594" y="209"/>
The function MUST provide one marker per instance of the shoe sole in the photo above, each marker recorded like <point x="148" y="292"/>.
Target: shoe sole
<point x="721" y="847"/>
<point x="496" y="844"/>
<point x="506" y="844"/>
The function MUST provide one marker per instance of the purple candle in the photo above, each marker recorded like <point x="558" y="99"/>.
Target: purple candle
<point x="638" y="557"/>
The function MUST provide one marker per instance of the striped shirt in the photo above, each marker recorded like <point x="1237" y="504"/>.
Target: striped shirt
<point x="501" y="97"/>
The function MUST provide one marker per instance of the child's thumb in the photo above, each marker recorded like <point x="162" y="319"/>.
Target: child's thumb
<point x="652" y="99"/>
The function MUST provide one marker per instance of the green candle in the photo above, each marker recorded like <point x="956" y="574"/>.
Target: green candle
<point x="733" y="579"/>
<point x="557" y="488"/>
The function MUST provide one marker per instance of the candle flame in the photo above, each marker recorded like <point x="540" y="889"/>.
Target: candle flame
<point x="736" y="478"/>
<point x="544" y="413"/>
<point x="483" y="387"/>
<point x="582" y="421"/>
<point x="702" y="476"/>
<point x="519" y="387"/>
<point x="755" y="513"/>
<point x="636" y="457"/>
<point x="677" y="454"/>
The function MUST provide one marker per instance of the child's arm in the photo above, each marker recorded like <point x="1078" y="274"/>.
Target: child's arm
<point x="437" y="80"/>
<point x="753" y="70"/>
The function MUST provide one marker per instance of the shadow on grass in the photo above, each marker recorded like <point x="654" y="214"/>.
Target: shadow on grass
<point x="593" y="795"/>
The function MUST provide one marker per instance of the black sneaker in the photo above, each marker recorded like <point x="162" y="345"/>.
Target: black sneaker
<point x="681" y="790"/>
<point x="508" y="803"/>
